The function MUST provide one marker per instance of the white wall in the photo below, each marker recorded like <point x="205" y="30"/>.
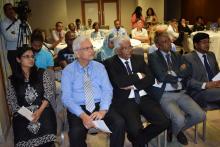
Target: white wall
<point x="157" y="5"/>
<point x="45" y="13"/>
<point x="127" y="8"/>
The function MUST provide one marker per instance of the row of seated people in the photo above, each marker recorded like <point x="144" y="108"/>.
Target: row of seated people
<point x="118" y="90"/>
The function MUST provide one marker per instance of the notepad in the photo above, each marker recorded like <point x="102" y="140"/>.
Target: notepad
<point x="216" y="77"/>
<point x="100" y="124"/>
<point x="157" y="84"/>
<point x="26" y="113"/>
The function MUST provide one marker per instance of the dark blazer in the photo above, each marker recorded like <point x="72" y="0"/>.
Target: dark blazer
<point x="197" y="71"/>
<point x="119" y="77"/>
<point x="159" y="68"/>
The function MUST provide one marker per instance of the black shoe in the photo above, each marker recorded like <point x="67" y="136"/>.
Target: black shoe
<point x="169" y="136"/>
<point x="182" y="138"/>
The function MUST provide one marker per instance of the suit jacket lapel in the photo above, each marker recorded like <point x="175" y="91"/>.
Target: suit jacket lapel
<point x="162" y="60"/>
<point x="133" y="64"/>
<point x="120" y="64"/>
<point x="200" y="64"/>
<point x="211" y="63"/>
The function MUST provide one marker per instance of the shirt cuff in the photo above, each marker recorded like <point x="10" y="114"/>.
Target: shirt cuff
<point x="139" y="75"/>
<point x="104" y="107"/>
<point x="203" y="85"/>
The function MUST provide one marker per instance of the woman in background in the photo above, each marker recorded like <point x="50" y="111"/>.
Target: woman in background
<point x="32" y="88"/>
<point x="136" y="15"/>
<point x="151" y="18"/>
<point x="107" y="49"/>
<point x="183" y="27"/>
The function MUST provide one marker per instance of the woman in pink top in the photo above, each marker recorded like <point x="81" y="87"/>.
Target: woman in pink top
<point x="136" y="15"/>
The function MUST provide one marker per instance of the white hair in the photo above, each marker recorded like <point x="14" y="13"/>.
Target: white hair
<point x="119" y="40"/>
<point x="77" y="42"/>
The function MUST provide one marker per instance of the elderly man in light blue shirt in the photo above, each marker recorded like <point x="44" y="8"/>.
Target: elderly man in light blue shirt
<point x="87" y="95"/>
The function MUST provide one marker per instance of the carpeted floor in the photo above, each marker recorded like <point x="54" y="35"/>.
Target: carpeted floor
<point x="101" y="140"/>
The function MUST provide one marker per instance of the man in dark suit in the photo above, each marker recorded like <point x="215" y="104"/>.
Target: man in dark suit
<point x="167" y="67"/>
<point x="130" y="77"/>
<point x="203" y="67"/>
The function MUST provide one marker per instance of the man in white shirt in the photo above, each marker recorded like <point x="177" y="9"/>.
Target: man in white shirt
<point x="140" y="33"/>
<point x="59" y="34"/>
<point x="10" y="30"/>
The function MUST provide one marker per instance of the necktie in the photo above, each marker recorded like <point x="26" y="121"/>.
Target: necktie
<point x="136" y="92"/>
<point x="90" y="104"/>
<point x="169" y="63"/>
<point x="208" y="69"/>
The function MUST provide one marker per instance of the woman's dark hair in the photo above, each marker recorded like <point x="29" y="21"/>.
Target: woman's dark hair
<point x="152" y="10"/>
<point x="17" y="77"/>
<point x="94" y="24"/>
<point x="138" y="12"/>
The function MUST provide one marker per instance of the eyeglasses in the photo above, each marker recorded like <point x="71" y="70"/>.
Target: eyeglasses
<point x="87" y="48"/>
<point x="127" y="48"/>
<point x="28" y="57"/>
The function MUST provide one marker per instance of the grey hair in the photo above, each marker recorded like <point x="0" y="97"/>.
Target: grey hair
<point x="77" y="42"/>
<point x="160" y="34"/>
<point x="119" y="40"/>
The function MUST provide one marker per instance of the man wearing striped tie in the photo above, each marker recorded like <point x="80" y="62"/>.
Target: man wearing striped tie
<point x="87" y="95"/>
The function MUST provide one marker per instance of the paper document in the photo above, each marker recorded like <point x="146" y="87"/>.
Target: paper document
<point x="26" y="113"/>
<point x="216" y="77"/>
<point x="100" y="124"/>
<point x="157" y="84"/>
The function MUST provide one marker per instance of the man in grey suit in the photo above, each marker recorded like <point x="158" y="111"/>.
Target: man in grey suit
<point x="202" y="67"/>
<point x="168" y="69"/>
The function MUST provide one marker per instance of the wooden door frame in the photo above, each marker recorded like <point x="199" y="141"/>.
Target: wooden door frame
<point x="100" y="9"/>
<point x="83" y="2"/>
<point x="102" y="6"/>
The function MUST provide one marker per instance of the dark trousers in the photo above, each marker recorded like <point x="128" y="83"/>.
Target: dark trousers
<point x="151" y="110"/>
<point x="77" y="131"/>
<point x="11" y="56"/>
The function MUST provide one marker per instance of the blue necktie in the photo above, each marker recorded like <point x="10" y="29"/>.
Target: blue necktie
<point x="89" y="98"/>
<point x="136" y="92"/>
<point x="169" y="63"/>
<point x="208" y="69"/>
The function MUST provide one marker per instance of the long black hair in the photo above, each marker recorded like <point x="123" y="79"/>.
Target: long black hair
<point x="138" y="12"/>
<point x="17" y="77"/>
<point x="152" y="11"/>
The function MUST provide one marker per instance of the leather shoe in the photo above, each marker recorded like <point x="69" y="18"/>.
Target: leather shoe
<point x="182" y="138"/>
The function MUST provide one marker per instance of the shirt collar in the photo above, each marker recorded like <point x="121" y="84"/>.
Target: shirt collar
<point x="123" y="60"/>
<point x="200" y="54"/>
<point x="89" y="66"/>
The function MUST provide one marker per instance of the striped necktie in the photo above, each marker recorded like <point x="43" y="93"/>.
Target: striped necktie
<point x="89" y="97"/>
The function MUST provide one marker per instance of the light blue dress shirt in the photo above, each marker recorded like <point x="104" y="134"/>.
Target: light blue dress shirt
<point x="120" y="32"/>
<point x="73" y="91"/>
